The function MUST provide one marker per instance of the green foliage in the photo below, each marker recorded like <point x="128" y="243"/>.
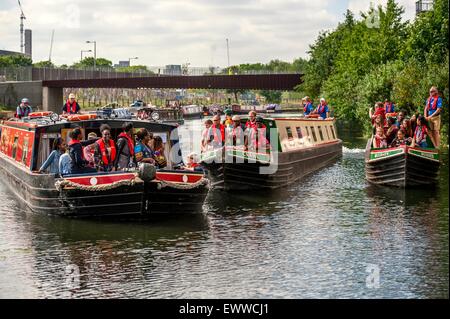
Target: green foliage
<point x="272" y="96"/>
<point x="134" y="68"/>
<point x="89" y="62"/>
<point x="15" y="60"/>
<point x="44" y="64"/>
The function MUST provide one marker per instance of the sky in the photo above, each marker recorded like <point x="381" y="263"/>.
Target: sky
<point x="161" y="32"/>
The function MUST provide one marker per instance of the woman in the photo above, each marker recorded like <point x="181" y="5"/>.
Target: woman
<point x="158" y="152"/>
<point x="192" y="163"/>
<point x="89" y="150"/>
<point x="78" y="164"/>
<point x="59" y="148"/>
<point x="405" y="126"/>
<point x="379" y="140"/>
<point x="125" y="148"/>
<point x="391" y="133"/>
<point x="142" y="152"/>
<point x="105" y="151"/>
<point x="421" y="133"/>
<point x="377" y="123"/>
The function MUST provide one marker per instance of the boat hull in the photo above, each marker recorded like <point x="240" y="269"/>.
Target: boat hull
<point x="291" y="167"/>
<point x="402" y="166"/>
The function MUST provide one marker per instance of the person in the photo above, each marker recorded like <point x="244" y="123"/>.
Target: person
<point x="89" y="150"/>
<point x="235" y="132"/>
<point x="400" y="117"/>
<point x="379" y="140"/>
<point x="322" y="109"/>
<point x="158" y="152"/>
<point x="406" y="127"/>
<point x="413" y="121"/>
<point x="401" y="139"/>
<point x="24" y="109"/>
<point x="105" y="150"/>
<point x="377" y="123"/>
<point x="389" y="107"/>
<point x="392" y="130"/>
<point x="208" y="123"/>
<point x="142" y="152"/>
<point x="78" y="165"/>
<point x="307" y="106"/>
<point x="432" y="114"/>
<point x="216" y="133"/>
<point x="125" y="148"/>
<point x="257" y="140"/>
<point x="420" y="134"/>
<point x="379" y="110"/>
<point x="52" y="162"/>
<point x="192" y="163"/>
<point x="228" y="121"/>
<point x="71" y="106"/>
<point x="251" y="123"/>
<point x="64" y="163"/>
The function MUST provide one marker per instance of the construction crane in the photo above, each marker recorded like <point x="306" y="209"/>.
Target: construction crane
<point x="51" y="47"/>
<point x="22" y="17"/>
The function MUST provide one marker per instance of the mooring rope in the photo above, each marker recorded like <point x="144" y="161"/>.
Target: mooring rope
<point x="200" y="182"/>
<point x="60" y="185"/>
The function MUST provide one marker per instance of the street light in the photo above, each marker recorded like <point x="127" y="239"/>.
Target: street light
<point x="95" y="51"/>
<point x="82" y="53"/>
<point x="129" y="60"/>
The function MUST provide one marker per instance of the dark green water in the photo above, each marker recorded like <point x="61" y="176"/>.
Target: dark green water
<point x="330" y="236"/>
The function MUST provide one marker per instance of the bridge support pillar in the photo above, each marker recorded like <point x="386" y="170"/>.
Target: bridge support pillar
<point x="52" y="99"/>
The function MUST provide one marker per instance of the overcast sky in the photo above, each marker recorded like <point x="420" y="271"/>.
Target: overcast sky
<point x="162" y="32"/>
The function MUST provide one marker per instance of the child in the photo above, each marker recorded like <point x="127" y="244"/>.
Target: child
<point x="401" y="139"/>
<point x="421" y="133"/>
<point x="192" y="163"/>
<point x="59" y="148"/>
<point x="158" y="152"/>
<point x="379" y="140"/>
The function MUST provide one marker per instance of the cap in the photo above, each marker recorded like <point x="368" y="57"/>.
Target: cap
<point x="228" y="112"/>
<point x="25" y="101"/>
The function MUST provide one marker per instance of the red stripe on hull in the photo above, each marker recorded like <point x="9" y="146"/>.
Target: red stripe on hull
<point x="100" y="179"/>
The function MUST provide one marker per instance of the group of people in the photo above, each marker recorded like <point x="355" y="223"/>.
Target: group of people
<point x="103" y="153"/>
<point x="250" y="135"/>
<point x="391" y="129"/>
<point x="322" y="110"/>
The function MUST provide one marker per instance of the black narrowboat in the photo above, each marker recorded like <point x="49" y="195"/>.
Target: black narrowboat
<point x="140" y="191"/>
<point x="402" y="166"/>
<point x="299" y="146"/>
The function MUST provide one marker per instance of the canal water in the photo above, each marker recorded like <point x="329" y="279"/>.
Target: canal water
<point x="329" y="236"/>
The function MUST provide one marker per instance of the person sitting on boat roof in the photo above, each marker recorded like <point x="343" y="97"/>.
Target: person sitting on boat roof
<point x="421" y="133"/>
<point x="379" y="110"/>
<point x="401" y="139"/>
<point x="228" y="121"/>
<point x="105" y="150"/>
<point x="142" y="152"/>
<point x="389" y="106"/>
<point x="257" y="141"/>
<point x="158" y="152"/>
<point x="432" y="113"/>
<point x="125" y="148"/>
<point x="216" y="133"/>
<point x="208" y="123"/>
<point x="52" y="161"/>
<point x="89" y="150"/>
<point x="379" y="140"/>
<point x="24" y="109"/>
<point x="71" y="106"/>
<point x="392" y="130"/>
<point x="322" y="109"/>
<point x="307" y="106"/>
<point x="78" y="164"/>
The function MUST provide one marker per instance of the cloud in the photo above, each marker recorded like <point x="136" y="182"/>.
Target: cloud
<point x="173" y="31"/>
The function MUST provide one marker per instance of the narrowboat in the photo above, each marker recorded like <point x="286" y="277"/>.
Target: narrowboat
<point x="402" y="166"/>
<point x="298" y="146"/>
<point x="165" y="115"/>
<point x="192" y="112"/>
<point x="137" y="192"/>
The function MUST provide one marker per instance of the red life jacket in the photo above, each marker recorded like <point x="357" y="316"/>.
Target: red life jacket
<point x="129" y="142"/>
<point x="73" y="142"/>
<point x="433" y="106"/>
<point x="388" y="107"/>
<point x="321" y="108"/>
<point x="379" y="142"/>
<point x="420" y="133"/>
<point x="222" y="132"/>
<point x="112" y="155"/>
<point x="258" y="138"/>
<point x="71" y="108"/>
<point x="250" y="124"/>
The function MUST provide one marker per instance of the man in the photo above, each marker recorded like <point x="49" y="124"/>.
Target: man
<point x="71" y="106"/>
<point x="235" y="132"/>
<point x="307" y="105"/>
<point x="432" y="114"/>
<point x="24" y="109"/>
<point x="251" y="123"/>
<point x="216" y="133"/>
<point x="389" y="106"/>
<point x="257" y="141"/>
<point x="322" y="109"/>
<point x="400" y="117"/>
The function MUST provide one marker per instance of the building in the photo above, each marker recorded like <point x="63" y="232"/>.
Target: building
<point x="424" y="6"/>
<point x="28" y="43"/>
<point x="173" y="69"/>
<point x="122" y="64"/>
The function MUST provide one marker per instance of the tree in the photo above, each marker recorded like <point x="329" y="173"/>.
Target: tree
<point x="44" y="64"/>
<point x="15" y="60"/>
<point x="89" y="62"/>
<point x="272" y="96"/>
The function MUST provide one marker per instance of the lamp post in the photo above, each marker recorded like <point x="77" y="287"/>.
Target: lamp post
<point x="82" y="54"/>
<point x="129" y="60"/>
<point x="95" y="51"/>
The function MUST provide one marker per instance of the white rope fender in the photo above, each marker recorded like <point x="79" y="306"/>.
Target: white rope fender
<point x="61" y="184"/>
<point x="200" y="182"/>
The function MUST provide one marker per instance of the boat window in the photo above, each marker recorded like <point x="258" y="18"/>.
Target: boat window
<point x="14" y="147"/>
<point x="320" y="133"/>
<point x="289" y="133"/>
<point x="299" y="132"/>
<point x="26" y="142"/>
<point x="332" y="132"/>
<point x="313" y="131"/>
